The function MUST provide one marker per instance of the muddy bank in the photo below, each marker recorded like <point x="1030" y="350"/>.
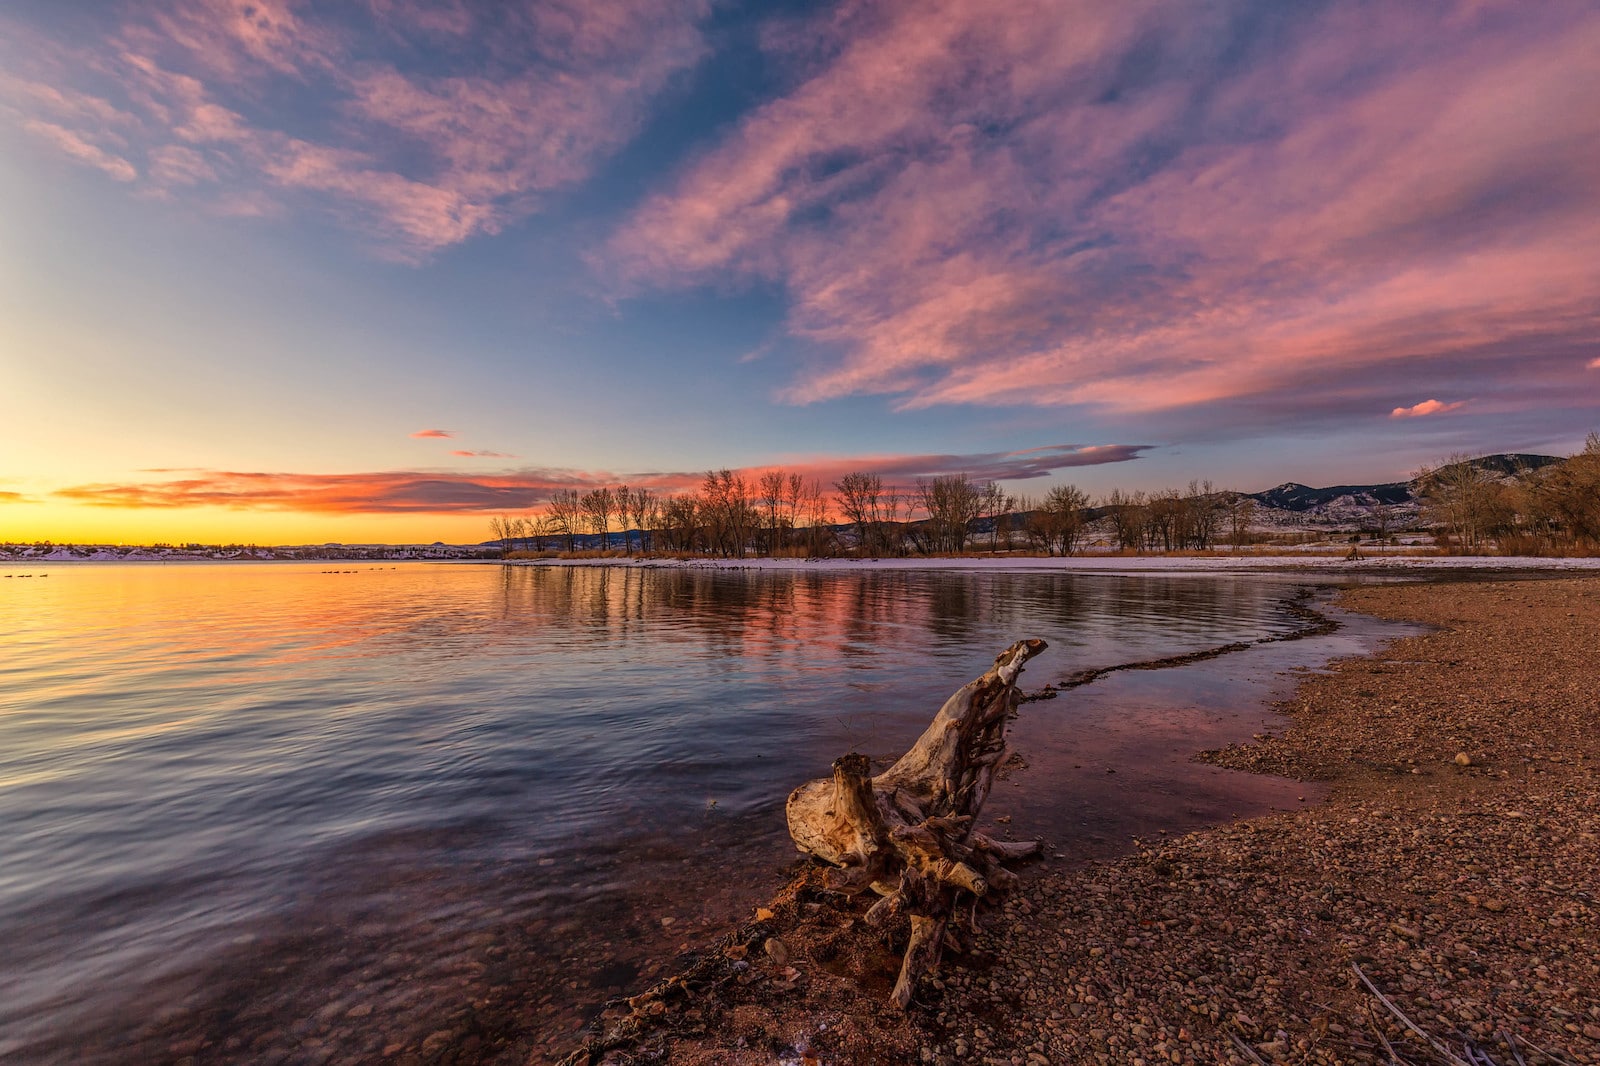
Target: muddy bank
<point x="1453" y="865"/>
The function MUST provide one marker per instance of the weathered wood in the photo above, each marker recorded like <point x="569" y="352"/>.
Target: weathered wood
<point x="922" y="955"/>
<point x="907" y="833"/>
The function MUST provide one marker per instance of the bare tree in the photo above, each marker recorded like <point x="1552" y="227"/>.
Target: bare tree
<point x="563" y="511"/>
<point x="1241" y="509"/>
<point x="995" y="504"/>
<point x="1566" y="497"/>
<point x="598" y="507"/>
<point x="1129" y="516"/>
<point x="540" y="530"/>
<point x="1062" y="517"/>
<point x="858" y="495"/>
<point x="680" y="521"/>
<point x="727" y="514"/>
<point x="887" y="531"/>
<point x="794" y="493"/>
<point x="643" y="509"/>
<point x="952" y="503"/>
<point x="622" y="496"/>
<point x="1164" y="513"/>
<point x="773" y="494"/>
<point x="500" y="529"/>
<point x="1457" y="494"/>
<point x="812" y="502"/>
<point x="1204" y="513"/>
<point x="1071" y="504"/>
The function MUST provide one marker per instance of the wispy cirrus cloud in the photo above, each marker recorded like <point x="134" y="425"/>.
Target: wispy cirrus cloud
<point x="71" y="144"/>
<point x="1427" y="407"/>
<point x="440" y="492"/>
<point x="483" y="455"/>
<point x="419" y="126"/>
<point x="431" y="434"/>
<point x="7" y="496"/>
<point x="1151" y="206"/>
<point x="980" y="466"/>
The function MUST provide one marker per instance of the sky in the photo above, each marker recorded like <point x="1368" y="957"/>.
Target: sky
<point x="379" y="270"/>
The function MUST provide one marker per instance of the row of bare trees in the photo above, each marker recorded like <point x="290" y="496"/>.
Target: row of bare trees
<point x="569" y="514"/>
<point x="884" y="518"/>
<point x="729" y="516"/>
<point x="784" y="513"/>
<point x="777" y="513"/>
<point x="1171" y="520"/>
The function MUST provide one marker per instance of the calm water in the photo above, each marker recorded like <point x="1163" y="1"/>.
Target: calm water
<point x="315" y="813"/>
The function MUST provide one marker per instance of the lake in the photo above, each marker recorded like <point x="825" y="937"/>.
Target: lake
<point x="355" y="812"/>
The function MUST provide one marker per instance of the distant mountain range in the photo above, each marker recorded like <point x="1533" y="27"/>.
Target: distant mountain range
<point x="1292" y="504"/>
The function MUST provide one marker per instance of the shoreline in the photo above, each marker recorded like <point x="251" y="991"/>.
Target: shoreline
<point x="1464" y="892"/>
<point x="1325" y="565"/>
<point x="1317" y="564"/>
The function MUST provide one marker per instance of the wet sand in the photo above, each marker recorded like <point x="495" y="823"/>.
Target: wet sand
<point x="1453" y="865"/>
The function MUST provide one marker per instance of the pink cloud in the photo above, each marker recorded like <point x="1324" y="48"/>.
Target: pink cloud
<point x="449" y="18"/>
<point x="237" y="38"/>
<point x="422" y="216"/>
<point x="75" y="147"/>
<point x="422" y="155"/>
<point x="432" y="433"/>
<point x="482" y="455"/>
<point x="433" y="492"/>
<point x="1427" y="407"/>
<point x="172" y="165"/>
<point x="1594" y="364"/>
<point x="966" y="209"/>
<point x="65" y="104"/>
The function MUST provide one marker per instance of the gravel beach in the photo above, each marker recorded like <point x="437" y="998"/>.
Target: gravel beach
<point x="1443" y="906"/>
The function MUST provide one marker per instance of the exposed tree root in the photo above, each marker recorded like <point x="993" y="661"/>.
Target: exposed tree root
<point x="907" y="834"/>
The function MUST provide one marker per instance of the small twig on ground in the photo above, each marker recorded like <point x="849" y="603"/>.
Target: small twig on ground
<point x="1377" y="1030"/>
<point x="1450" y="1056"/>
<point x="1552" y="1056"/>
<point x="1248" y="1051"/>
<point x="1511" y="1042"/>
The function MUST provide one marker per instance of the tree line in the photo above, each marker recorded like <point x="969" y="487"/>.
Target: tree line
<point x="1550" y="510"/>
<point x="783" y="513"/>
<point x="779" y="512"/>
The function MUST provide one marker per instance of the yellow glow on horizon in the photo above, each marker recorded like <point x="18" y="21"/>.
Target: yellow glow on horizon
<point x="78" y="524"/>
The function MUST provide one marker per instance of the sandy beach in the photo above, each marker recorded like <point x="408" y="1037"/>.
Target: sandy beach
<point x="1440" y="907"/>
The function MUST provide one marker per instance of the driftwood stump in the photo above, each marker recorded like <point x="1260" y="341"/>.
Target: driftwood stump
<point x="908" y="833"/>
